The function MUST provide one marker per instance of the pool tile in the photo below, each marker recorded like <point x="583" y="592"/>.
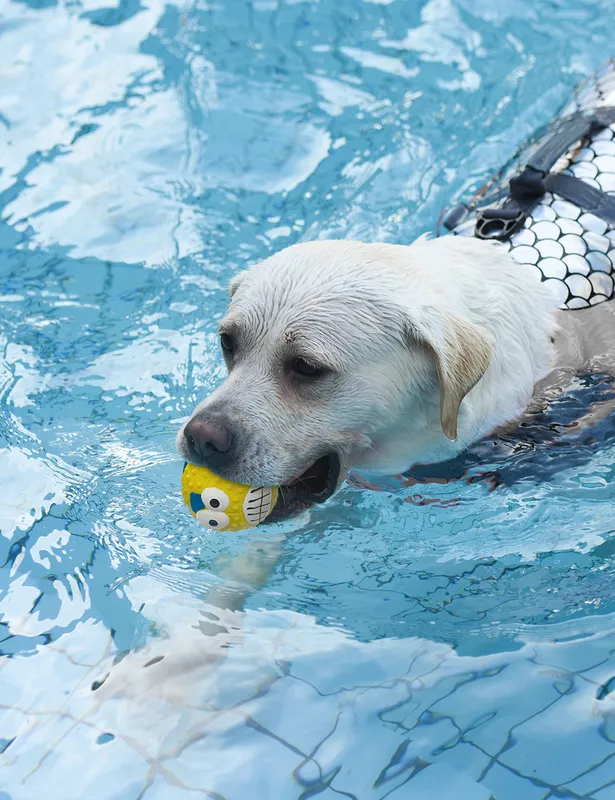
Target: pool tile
<point x="164" y="790"/>
<point x="441" y="782"/>
<point x="562" y="741"/>
<point x="277" y="711"/>
<point x="596" y="777"/>
<point x="85" y="769"/>
<point x="507" y="785"/>
<point x="35" y="739"/>
<point x="355" y="666"/>
<point x="385" y="760"/>
<point x="487" y="707"/>
<point x="21" y="685"/>
<point x="573" y="656"/>
<point x="237" y="762"/>
<point x="359" y="758"/>
<point x="465" y="758"/>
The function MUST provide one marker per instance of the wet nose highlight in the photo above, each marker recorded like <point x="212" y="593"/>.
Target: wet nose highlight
<point x="207" y="436"/>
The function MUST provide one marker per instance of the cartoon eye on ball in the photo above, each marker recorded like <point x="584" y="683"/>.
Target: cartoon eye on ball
<point x="222" y="505"/>
<point x="215" y="498"/>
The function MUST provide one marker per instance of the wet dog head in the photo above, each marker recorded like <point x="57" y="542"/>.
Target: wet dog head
<point x="323" y="360"/>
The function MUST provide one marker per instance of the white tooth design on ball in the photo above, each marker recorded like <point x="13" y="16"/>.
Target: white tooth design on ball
<point x="559" y="290"/>
<point x="565" y="209"/>
<point x="605" y="163"/>
<point x="593" y="223"/>
<point x="606" y="181"/>
<point x="579" y="286"/>
<point x="525" y="255"/>
<point x="546" y="230"/>
<point x="602" y="283"/>
<point x="577" y="264"/>
<point x="549" y="248"/>
<point x="552" y="268"/>
<point x="602" y="148"/>
<point x="573" y="244"/>
<point x="597" y="242"/>
<point x="600" y="262"/>
<point x="570" y="226"/>
<point x="257" y="504"/>
<point x="543" y="213"/>
<point x="577" y="302"/>
<point x="524" y="236"/>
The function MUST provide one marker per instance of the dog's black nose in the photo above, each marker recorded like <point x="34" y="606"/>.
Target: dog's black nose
<point x="207" y="438"/>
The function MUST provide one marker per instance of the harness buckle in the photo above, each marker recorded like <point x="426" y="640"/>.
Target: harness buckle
<point x="452" y="217"/>
<point x="499" y="224"/>
<point x="528" y="186"/>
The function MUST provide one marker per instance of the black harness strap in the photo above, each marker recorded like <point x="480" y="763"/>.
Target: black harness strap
<point x="568" y="131"/>
<point x="583" y="195"/>
<point x="535" y="179"/>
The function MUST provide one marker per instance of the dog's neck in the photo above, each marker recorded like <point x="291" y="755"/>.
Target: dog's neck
<point x="520" y="317"/>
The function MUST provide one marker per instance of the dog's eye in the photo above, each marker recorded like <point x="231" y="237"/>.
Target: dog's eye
<point x="306" y="370"/>
<point x="227" y="343"/>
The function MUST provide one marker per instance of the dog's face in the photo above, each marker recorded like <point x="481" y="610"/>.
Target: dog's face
<point x="323" y="363"/>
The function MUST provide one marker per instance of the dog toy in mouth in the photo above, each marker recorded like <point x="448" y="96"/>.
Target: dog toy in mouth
<point x="222" y="505"/>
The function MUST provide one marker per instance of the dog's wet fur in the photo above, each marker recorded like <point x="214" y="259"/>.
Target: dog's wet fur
<point x="377" y="357"/>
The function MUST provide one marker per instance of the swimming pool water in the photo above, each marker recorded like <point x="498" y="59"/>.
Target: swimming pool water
<point x="423" y="641"/>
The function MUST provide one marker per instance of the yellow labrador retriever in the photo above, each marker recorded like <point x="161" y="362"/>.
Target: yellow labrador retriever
<point x="377" y="356"/>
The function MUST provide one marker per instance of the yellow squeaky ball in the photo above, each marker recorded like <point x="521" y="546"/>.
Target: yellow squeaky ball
<point x="222" y="505"/>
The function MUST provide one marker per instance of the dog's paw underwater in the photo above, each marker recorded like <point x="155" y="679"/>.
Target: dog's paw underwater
<point x="219" y="504"/>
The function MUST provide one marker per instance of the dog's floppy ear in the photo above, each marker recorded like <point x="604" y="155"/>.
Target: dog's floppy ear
<point x="461" y="351"/>
<point x="235" y="283"/>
